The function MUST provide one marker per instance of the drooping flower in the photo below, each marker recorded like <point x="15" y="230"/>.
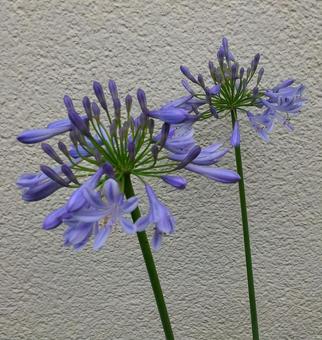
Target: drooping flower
<point x="159" y="215"/>
<point x="105" y="149"/>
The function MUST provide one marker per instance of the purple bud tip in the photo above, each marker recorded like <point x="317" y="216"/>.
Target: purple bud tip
<point x="51" y="153"/>
<point x="241" y="72"/>
<point x="128" y="103"/>
<point x="225" y="43"/>
<point x="154" y="151"/>
<point x="201" y="81"/>
<point x="220" y="54"/>
<point x="108" y="169"/>
<point x="63" y="148"/>
<point x="97" y="87"/>
<point x="50" y="173"/>
<point x="186" y="72"/>
<point x="87" y="106"/>
<point x="68" y="103"/>
<point x="177" y="182"/>
<point x="164" y="134"/>
<point x="67" y="171"/>
<point x="131" y="149"/>
<point x="78" y="122"/>
<point x="142" y="100"/>
<point x="99" y="93"/>
<point x="96" y="110"/>
<point x="113" y="89"/>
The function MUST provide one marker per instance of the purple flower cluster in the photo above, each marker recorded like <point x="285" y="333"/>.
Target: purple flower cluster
<point x="237" y="89"/>
<point x="104" y="148"/>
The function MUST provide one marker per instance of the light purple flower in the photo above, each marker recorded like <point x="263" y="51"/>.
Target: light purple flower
<point x="112" y="211"/>
<point x="262" y="124"/>
<point x="159" y="215"/>
<point x="285" y="98"/>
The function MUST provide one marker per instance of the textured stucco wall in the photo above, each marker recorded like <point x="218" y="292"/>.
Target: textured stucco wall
<point x="49" y="48"/>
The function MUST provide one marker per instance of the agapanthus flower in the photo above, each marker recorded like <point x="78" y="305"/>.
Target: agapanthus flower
<point x="104" y="148"/>
<point x="237" y="90"/>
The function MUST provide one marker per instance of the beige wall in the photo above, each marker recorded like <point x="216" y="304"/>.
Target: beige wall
<point x="49" y="48"/>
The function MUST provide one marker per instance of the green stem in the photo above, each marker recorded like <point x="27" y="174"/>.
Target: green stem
<point x="150" y="266"/>
<point x="247" y="245"/>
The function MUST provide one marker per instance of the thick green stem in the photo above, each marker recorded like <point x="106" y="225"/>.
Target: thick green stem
<point x="247" y="246"/>
<point x="150" y="266"/>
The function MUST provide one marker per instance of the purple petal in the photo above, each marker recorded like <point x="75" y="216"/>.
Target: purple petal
<point x="101" y="237"/>
<point x="128" y="226"/>
<point x="143" y="222"/>
<point x="39" y="135"/>
<point x="217" y="174"/>
<point x="130" y="204"/>
<point x="54" y="219"/>
<point x="112" y="191"/>
<point x="156" y="240"/>
<point x="176" y="181"/>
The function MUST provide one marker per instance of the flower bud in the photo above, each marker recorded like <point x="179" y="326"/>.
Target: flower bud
<point x="128" y="103"/>
<point x="99" y="93"/>
<point x="87" y="107"/>
<point x="186" y="72"/>
<point x="50" y="173"/>
<point x="108" y="169"/>
<point x="131" y="149"/>
<point x="164" y="134"/>
<point x="201" y="81"/>
<point x="177" y="182"/>
<point x="96" y="111"/>
<point x="154" y="151"/>
<point x="63" y="148"/>
<point x="67" y="171"/>
<point x="51" y="153"/>
<point x="260" y="75"/>
<point x="142" y="101"/>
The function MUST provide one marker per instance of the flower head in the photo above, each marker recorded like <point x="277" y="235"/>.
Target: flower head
<point x="237" y="90"/>
<point x="105" y="147"/>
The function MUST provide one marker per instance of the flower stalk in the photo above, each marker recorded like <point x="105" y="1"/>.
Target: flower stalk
<point x="247" y="244"/>
<point x="150" y="265"/>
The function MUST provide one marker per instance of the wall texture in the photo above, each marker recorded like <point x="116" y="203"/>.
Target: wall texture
<point x="49" y="48"/>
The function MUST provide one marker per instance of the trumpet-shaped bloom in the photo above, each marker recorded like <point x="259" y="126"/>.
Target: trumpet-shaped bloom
<point x="159" y="215"/>
<point x="110" y="211"/>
